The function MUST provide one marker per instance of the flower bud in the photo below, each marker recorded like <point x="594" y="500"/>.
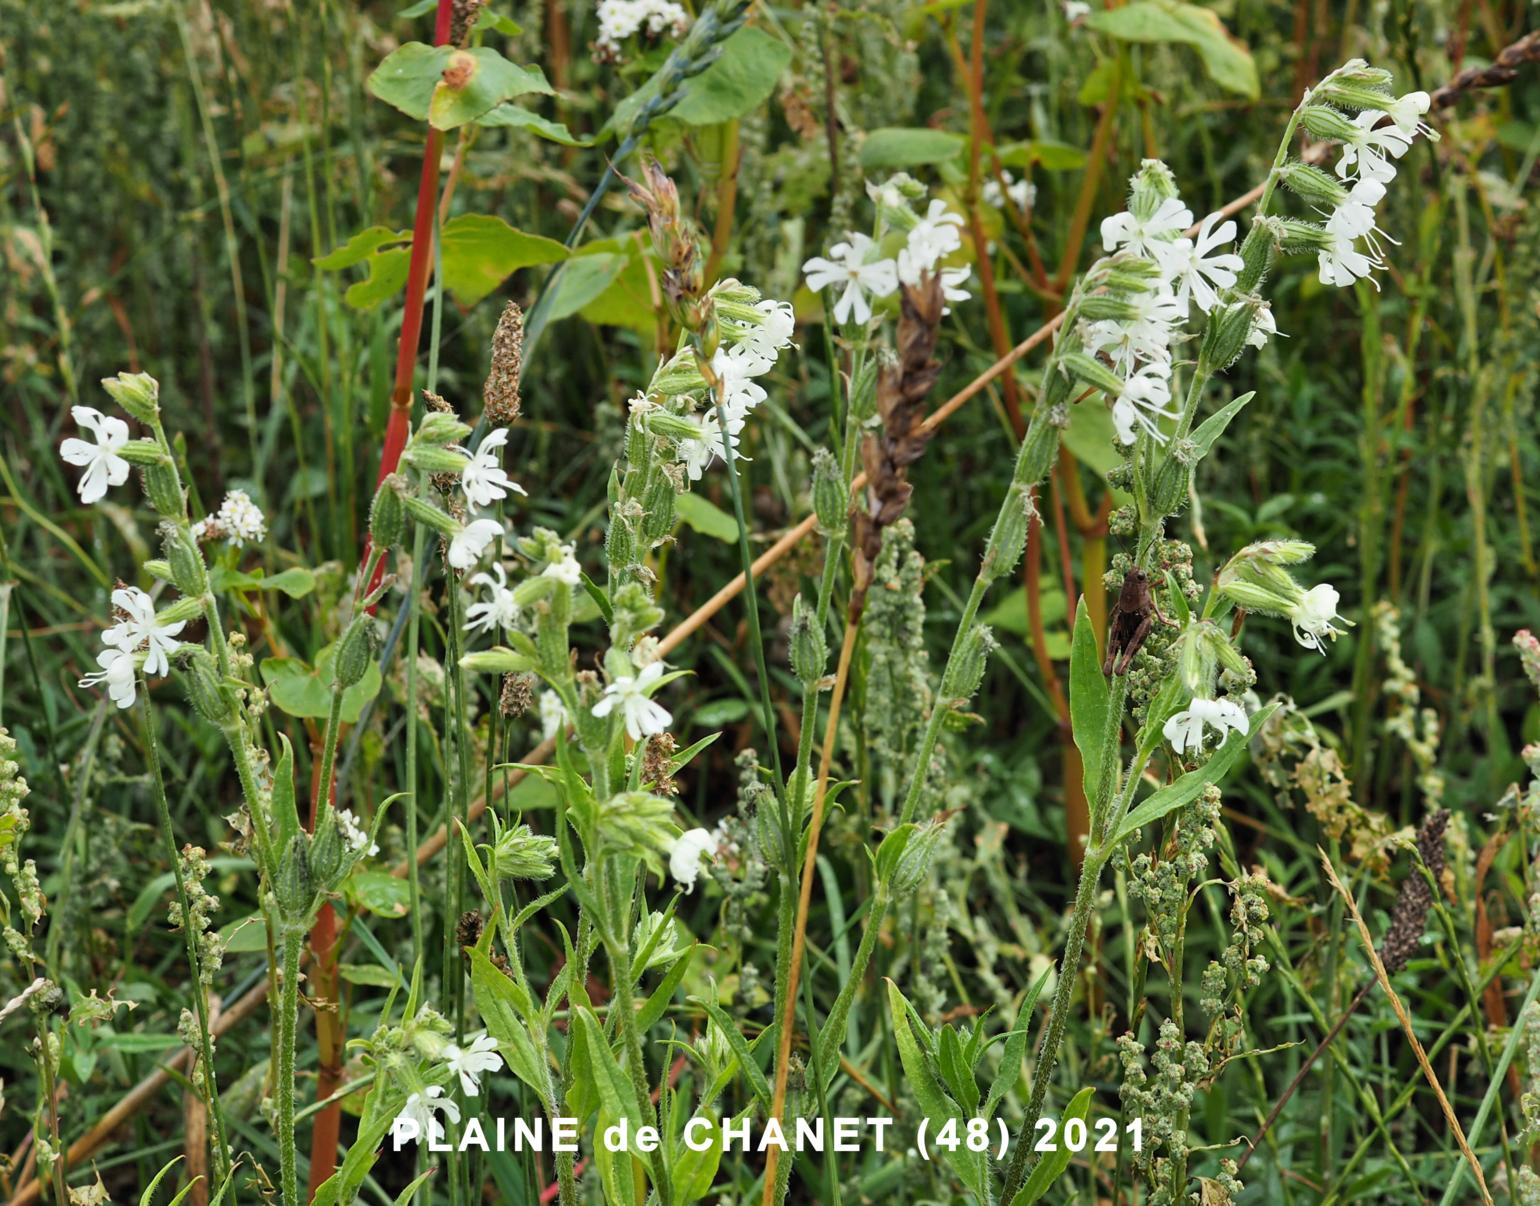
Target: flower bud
<point x="143" y="452"/>
<point x="1326" y="122"/>
<point x="292" y="886"/>
<point x="1302" y="236"/>
<point x="387" y="514"/>
<point x="204" y="689"/>
<point x="137" y="393"/>
<point x="329" y="860"/>
<point x="632" y="612"/>
<point x="1008" y="537"/>
<point x="188" y="571"/>
<point x="439" y="429"/>
<point x="498" y="660"/>
<point x="1349" y="94"/>
<point x="1152" y="184"/>
<point x="863" y="391"/>
<point x="1105" y="305"/>
<point x="1091" y="371"/>
<point x="354" y="652"/>
<point x="163" y="487"/>
<point x="426" y="513"/>
<point x="159" y="569"/>
<point x="1312" y="184"/>
<point x="1256" y="254"/>
<point x="1168" y="494"/>
<point x="179" y="612"/>
<point x="676" y="427"/>
<point x="809" y="646"/>
<point x="1225" y="335"/>
<point x="965" y="671"/>
<point x="657" y="508"/>
<point x="831" y="498"/>
<point x="430" y="458"/>
<point x="906" y="855"/>
<point x="521" y="853"/>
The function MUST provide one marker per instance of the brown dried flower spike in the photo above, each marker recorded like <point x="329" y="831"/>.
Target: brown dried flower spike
<point x="902" y="387"/>
<point x="500" y="394"/>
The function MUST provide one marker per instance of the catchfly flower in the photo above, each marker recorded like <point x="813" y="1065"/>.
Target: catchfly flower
<point x="643" y="717"/>
<point x="1141" y="401"/>
<point x="1153" y="237"/>
<point x="467" y="545"/>
<point x="101" y="462"/>
<point x="1315" y="617"/>
<point x="853" y="270"/>
<point x="498" y="609"/>
<point x="685" y="853"/>
<point x="1203" y="267"/>
<point x="422" y="1110"/>
<point x="138" y="627"/>
<point x="471" y="1063"/>
<point x="1374" y="148"/>
<point x="484" y="480"/>
<point x="117" y="673"/>
<point x="1186" y="729"/>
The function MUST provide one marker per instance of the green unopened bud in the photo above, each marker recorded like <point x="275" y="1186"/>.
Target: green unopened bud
<point x="1196" y="658"/>
<point x="430" y="458"/>
<point x="658" y="500"/>
<point x="679" y="375"/>
<point x="638" y="824"/>
<point x="1257" y="254"/>
<point x="355" y="652"/>
<point x="293" y="887"/>
<point x="619" y="537"/>
<point x="809" y="646"/>
<point x="180" y="612"/>
<point x="1302" y="236"/>
<point x="863" y="391"/>
<point x="906" y="855"/>
<point x="1256" y="597"/>
<point x="1225" y="335"/>
<point x="143" y="452"/>
<point x="1326" y="122"/>
<point x="966" y="670"/>
<point x="1009" y="536"/>
<point x="498" y="660"/>
<point x="205" y="690"/>
<point x="1349" y="94"/>
<point x="632" y="612"/>
<point x="329" y="860"/>
<point x="137" y="393"/>
<point x="1169" y="492"/>
<point x="532" y="590"/>
<point x="521" y="853"/>
<point x="439" y="429"/>
<point x="387" y="514"/>
<point x="1361" y="74"/>
<point x="676" y="427"/>
<point x="1312" y="184"/>
<point x="1091" y="371"/>
<point x="163" y="487"/>
<point x="158" y="568"/>
<point x="1152" y="184"/>
<point x="425" y="512"/>
<point x="1107" y="306"/>
<point x="184" y="557"/>
<point x="831" y="498"/>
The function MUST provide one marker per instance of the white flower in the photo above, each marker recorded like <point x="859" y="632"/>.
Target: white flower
<point x="1185" y="729"/>
<point x="1354" y="218"/>
<point x="934" y="237"/>
<point x="1407" y="113"/>
<point x="1315" y="617"/>
<point x="1076" y="10"/>
<point x="138" y="627"/>
<point x="698" y="453"/>
<point x="498" y="610"/>
<point x="1142" y="399"/>
<point x="620" y="19"/>
<point x="1263" y="327"/>
<point x="103" y="466"/>
<point x="470" y="1063"/>
<point x="643" y="717"/>
<point x="1373" y="149"/>
<point x="1341" y="263"/>
<point x="1021" y="193"/>
<point x="735" y="370"/>
<point x="240" y="519"/>
<point x="422" y="1110"/>
<point x="1202" y="269"/>
<point x="553" y="714"/>
<point x="684" y="855"/>
<point x="849" y="268"/>
<point x="566" y="569"/>
<point x="777" y="324"/>
<point x="117" y="671"/>
<point x="484" y="480"/>
<point x="471" y="541"/>
<point x="354" y="835"/>
<point x="1153" y="237"/>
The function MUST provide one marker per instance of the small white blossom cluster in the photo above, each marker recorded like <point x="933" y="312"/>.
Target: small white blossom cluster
<point x="1379" y="137"/>
<point x="1021" y="193"/>
<point x="620" y="20"/>
<point x="238" y="520"/>
<point x="419" y="1116"/>
<point x="354" y="835"/>
<point x="137" y="628"/>
<point x="908" y="246"/>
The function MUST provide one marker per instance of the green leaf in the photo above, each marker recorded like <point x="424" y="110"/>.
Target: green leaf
<point x="516" y="117"/>
<point x="658" y="1002"/>
<point x="379" y="892"/>
<point x="905" y="148"/>
<point x="1088" y="705"/>
<point x="739" y="81"/>
<point x="387" y="277"/>
<point x="412" y="79"/>
<point x="501" y="1009"/>
<point x="740" y="1049"/>
<point x="930" y="1097"/>
<point x="1214" y="426"/>
<point x="296" y="581"/>
<point x="706" y="518"/>
<point x="582" y="281"/>
<point x="1015" y="1048"/>
<point x="480" y="251"/>
<point x="285" y="807"/>
<point x="1044" y="153"/>
<point x="148" y="1195"/>
<point x="1186" y="789"/>
<point x="1226" y="60"/>
<point x="302" y="691"/>
<point x="617" y="1094"/>
<point x="694" y="1171"/>
<point x="360" y="247"/>
<point x="1051" y="1167"/>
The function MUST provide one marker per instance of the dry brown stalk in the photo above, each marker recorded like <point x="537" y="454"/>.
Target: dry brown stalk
<point x="1504" y="69"/>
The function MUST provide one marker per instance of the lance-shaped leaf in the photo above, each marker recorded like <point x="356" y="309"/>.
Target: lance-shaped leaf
<point x="1088" y="702"/>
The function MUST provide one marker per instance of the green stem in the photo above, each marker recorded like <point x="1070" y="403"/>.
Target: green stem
<point x="288" y="1021"/>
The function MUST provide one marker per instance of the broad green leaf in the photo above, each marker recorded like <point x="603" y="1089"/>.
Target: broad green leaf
<point x="380" y="1110"/>
<point x="627" y="298"/>
<point x="582" y="280"/>
<point x="706" y="518"/>
<point x="1226" y="60"/>
<point x="1051" y="1167"/>
<point x="904" y="148"/>
<point x="616" y="1093"/>
<point x="1186" y="789"/>
<point x="371" y="975"/>
<point x="739" y="81"/>
<point x="1088" y="705"/>
<point x="450" y="87"/>
<point x="296" y="581"/>
<point x="1091" y="436"/>
<point x="480" y="251"/>
<point x="516" y="117"/>
<point x="498" y="999"/>
<point x="694" y="1171"/>
<point x="360" y="247"/>
<point x="379" y="892"/>
<point x="387" y="277"/>
<point x="1214" y="426"/>
<point x="930" y="1097"/>
<point x="299" y="690"/>
<point x="1049" y="155"/>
